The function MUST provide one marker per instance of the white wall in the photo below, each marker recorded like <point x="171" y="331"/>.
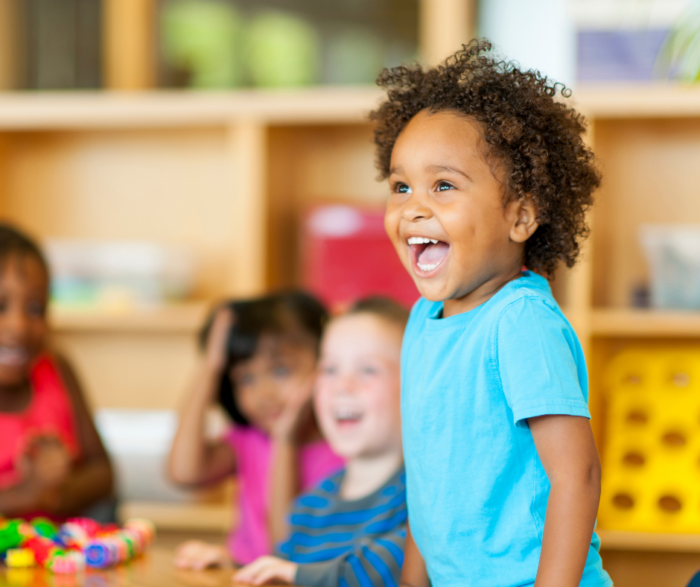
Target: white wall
<point x="539" y="34"/>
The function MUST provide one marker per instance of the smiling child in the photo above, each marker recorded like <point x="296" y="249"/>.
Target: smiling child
<point x="52" y="461"/>
<point x="489" y="174"/>
<point x="350" y="530"/>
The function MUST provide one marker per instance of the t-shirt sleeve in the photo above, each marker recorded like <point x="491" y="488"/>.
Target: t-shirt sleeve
<point x="540" y="362"/>
<point x="376" y="561"/>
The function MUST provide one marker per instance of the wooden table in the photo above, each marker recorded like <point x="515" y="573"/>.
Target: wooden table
<point x="155" y="569"/>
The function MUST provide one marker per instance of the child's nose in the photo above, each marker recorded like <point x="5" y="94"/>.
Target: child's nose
<point x="416" y="208"/>
<point x="16" y="322"/>
<point x="346" y="385"/>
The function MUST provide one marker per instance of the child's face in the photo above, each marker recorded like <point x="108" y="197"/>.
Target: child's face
<point x="23" y="298"/>
<point x="270" y="377"/>
<point x="358" y="389"/>
<point x="443" y="189"/>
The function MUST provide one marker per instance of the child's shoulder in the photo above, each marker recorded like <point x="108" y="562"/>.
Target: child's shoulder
<point x="529" y="312"/>
<point x="529" y="296"/>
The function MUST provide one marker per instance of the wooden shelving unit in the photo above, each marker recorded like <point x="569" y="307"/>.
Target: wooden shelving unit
<point x="647" y="140"/>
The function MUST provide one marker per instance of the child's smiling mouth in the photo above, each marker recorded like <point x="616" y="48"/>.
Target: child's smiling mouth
<point x="13" y="355"/>
<point x="347" y="417"/>
<point x="427" y="254"/>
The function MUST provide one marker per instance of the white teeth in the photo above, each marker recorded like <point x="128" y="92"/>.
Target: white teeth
<point x="420" y="240"/>
<point x="346" y="414"/>
<point x="13" y="355"/>
<point x="432" y="240"/>
<point x="427" y="266"/>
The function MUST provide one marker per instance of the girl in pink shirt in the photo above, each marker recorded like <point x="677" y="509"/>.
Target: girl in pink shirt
<point x="259" y="364"/>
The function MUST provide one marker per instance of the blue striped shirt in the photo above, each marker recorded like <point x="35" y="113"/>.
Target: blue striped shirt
<point x="341" y="543"/>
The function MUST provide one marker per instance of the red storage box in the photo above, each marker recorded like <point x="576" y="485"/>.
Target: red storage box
<point x="346" y="255"/>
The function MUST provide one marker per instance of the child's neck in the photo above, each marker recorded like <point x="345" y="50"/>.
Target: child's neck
<point x="481" y="293"/>
<point x="364" y="475"/>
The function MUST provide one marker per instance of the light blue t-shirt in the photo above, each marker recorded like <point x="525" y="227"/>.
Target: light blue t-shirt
<point x="477" y="492"/>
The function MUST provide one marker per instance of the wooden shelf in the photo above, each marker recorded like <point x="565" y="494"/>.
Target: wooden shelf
<point x="648" y="541"/>
<point x="646" y="323"/>
<point x="181" y="318"/>
<point x="22" y="111"/>
<point x="177" y="516"/>
<point x="638" y="101"/>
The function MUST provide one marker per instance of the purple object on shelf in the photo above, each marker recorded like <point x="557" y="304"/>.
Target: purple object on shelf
<point x="618" y="55"/>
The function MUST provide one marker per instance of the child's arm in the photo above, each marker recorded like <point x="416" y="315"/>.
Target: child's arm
<point x="376" y="560"/>
<point x="91" y="478"/>
<point x="193" y="460"/>
<point x="284" y="478"/>
<point x="568" y="453"/>
<point x="414" y="572"/>
<point x="50" y="481"/>
<point x="43" y="468"/>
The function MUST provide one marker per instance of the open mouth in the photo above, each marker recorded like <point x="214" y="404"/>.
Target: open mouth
<point x="427" y="254"/>
<point x="13" y="356"/>
<point x="345" y="417"/>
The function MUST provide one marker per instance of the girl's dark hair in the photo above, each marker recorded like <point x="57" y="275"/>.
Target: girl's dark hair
<point x="383" y="307"/>
<point x="15" y="242"/>
<point x="293" y="314"/>
<point x="526" y="125"/>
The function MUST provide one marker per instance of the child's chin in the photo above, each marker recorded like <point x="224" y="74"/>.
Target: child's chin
<point x="429" y="292"/>
<point x="11" y="375"/>
<point x="347" y="450"/>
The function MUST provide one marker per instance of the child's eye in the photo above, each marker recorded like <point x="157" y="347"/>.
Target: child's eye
<point x="328" y="370"/>
<point x="281" y="371"/>
<point x="443" y="186"/>
<point x="36" y="309"/>
<point x="400" y="188"/>
<point x="245" y="380"/>
<point x="368" y="370"/>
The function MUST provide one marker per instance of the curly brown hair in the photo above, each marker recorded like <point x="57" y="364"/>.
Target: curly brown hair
<point x="534" y="138"/>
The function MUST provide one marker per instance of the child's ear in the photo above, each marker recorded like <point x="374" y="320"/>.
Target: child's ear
<point x="524" y="214"/>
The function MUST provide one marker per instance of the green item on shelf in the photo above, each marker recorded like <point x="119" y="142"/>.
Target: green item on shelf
<point x="10" y="535"/>
<point x="283" y="50"/>
<point x="680" y="55"/>
<point x="355" y="55"/>
<point x="204" y="38"/>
